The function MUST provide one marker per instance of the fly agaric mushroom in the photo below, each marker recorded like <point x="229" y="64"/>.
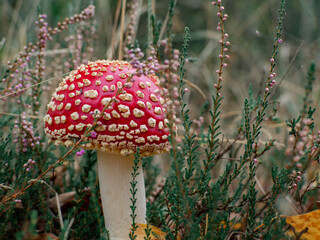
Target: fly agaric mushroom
<point x="130" y="114"/>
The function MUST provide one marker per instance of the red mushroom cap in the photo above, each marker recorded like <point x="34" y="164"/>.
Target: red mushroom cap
<point x="134" y="118"/>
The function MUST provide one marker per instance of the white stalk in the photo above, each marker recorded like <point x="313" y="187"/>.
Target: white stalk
<point x="114" y="178"/>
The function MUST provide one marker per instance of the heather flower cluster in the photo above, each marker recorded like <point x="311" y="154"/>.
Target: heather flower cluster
<point x="169" y="79"/>
<point x="29" y="165"/>
<point x="130" y="34"/>
<point x="84" y="15"/>
<point x="199" y="124"/>
<point x="271" y="81"/>
<point x="79" y="46"/>
<point x="80" y="153"/>
<point x="144" y="67"/>
<point x="224" y="43"/>
<point x="25" y="136"/>
<point x="18" y="76"/>
<point x="302" y="149"/>
<point x="43" y="37"/>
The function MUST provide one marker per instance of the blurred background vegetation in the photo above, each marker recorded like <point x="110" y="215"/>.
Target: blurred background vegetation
<point x="251" y="29"/>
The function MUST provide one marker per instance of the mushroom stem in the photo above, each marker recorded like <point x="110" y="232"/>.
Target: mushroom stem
<point x="114" y="178"/>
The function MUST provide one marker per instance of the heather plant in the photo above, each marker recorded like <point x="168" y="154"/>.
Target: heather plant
<point x="242" y="155"/>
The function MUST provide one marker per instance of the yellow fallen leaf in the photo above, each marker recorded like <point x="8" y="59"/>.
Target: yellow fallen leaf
<point x="309" y="223"/>
<point x="140" y="233"/>
<point x="234" y="226"/>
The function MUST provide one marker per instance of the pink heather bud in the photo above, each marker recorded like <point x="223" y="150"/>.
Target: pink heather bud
<point x="227" y="43"/>
<point x="217" y="71"/>
<point x="218" y="14"/>
<point x="298" y="178"/>
<point x="93" y="134"/>
<point x="186" y="90"/>
<point x="255" y="160"/>
<point x="226" y="56"/>
<point x="307" y="121"/>
<point x="80" y="153"/>
<point x="225" y="49"/>
<point x="220" y="56"/>
<point x="215" y="85"/>
<point x="220" y="42"/>
<point x="272" y="60"/>
<point x="213" y="3"/>
<point x="280" y="40"/>
<point x="222" y="8"/>
<point x="267" y="89"/>
<point x="219" y="1"/>
<point x="225" y="65"/>
<point x="226" y="35"/>
<point x="273" y="81"/>
<point x="219" y="28"/>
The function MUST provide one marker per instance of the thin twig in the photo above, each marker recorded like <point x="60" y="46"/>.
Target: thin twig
<point x="57" y="200"/>
<point x="259" y="185"/>
<point x="308" y="188"/>
<point x="34" y="85"/>
<point x="123" y="17"/>
<point x="21" y="115"/>
<point x="65" y="236"/>
<point x="164" y="25"/>
<point x="5" y="187"/>
<point x="114" y="29"/>
<point x="197" y="88"/>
